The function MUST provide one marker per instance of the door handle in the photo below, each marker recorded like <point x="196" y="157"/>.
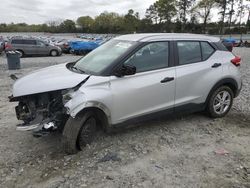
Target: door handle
<point x="216" y="65"/>
<point x="167" y="79"/>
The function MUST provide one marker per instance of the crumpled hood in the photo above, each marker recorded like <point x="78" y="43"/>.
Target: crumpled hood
<point x="48" y="79"/>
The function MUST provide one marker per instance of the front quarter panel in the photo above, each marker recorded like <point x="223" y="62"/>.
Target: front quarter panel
<point x="95" y="93"/>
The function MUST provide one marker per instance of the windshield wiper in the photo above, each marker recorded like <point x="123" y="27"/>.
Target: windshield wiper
<point x="77" y="69"/>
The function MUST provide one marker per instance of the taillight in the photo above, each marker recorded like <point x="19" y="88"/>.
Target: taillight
<point x="8" y="46"/>
<point x="236" y="61"/>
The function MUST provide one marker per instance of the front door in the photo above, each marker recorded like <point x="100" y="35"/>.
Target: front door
<point x="150" y="90"/>
<point x="41" y="48"/>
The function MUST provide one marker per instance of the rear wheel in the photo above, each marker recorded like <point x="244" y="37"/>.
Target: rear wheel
<point x="220" y="102"/>
<point x="78" y="132"/>
<point x="21" y="53"/>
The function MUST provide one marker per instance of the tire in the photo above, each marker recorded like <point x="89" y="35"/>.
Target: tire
<point x="78" y="132"/>
<point x="21" y="53"/>
<point x="54" y="53"/>
<point x="220" y="102"/>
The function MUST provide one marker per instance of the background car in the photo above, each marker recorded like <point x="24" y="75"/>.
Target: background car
<point x="29" y="46"/>
<point x="1" y="46"/>
<point x="64" y="45"/>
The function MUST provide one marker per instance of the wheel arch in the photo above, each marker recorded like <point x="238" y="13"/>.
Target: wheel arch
<point x="21" y="51"/>
<point x="102" y="113"/>
<point x="230" y="82"/>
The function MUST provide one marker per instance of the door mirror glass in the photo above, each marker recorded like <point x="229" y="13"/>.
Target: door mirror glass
<point x="125" y="70"/>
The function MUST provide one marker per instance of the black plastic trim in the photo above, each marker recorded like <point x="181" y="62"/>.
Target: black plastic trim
<point x="180" y="110"/>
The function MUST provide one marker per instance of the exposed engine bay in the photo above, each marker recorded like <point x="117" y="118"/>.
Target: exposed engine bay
<point x="41" y="113"/>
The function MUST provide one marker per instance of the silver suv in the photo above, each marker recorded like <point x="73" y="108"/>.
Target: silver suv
<point x="127" y="80"/>
<point x="33" y="47"/>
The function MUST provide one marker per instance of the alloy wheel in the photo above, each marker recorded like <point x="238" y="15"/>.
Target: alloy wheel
<point x="222" y="102"/>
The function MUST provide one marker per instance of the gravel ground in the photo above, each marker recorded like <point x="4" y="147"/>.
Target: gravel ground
<point x="169" y="152"/>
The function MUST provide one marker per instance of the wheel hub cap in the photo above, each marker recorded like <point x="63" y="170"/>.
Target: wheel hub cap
<point x="222" y="102"/>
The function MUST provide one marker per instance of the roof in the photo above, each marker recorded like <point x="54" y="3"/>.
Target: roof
<point x="146" y="37"/>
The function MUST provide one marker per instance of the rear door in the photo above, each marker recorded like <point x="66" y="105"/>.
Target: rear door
<point x="150" y="90"/>
<point x="198" y="69"/>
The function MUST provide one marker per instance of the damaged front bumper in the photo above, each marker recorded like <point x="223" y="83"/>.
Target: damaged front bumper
<point x="40" y="113"/>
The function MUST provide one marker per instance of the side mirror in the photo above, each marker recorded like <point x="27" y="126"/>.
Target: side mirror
<point x="125" y="70"/>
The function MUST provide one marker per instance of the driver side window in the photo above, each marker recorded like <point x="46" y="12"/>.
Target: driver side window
<point x="40" y="43"/>
<point x="150" y="57"/>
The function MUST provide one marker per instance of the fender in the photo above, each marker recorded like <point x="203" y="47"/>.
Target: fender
<point x="79" y="103"/>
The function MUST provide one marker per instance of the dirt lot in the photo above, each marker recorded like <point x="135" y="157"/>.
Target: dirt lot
<point x="170" y="152"/>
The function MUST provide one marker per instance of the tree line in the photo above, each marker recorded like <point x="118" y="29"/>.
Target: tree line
<point x="193" y="16"/>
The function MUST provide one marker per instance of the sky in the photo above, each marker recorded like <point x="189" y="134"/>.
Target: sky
<point x="41" y="11"/>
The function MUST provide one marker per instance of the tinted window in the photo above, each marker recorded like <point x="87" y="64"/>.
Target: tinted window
<point x="30" y="42"/>
<point x="150" y="57"/>
<point x="189" y="52"/>
<point x="207" y="50"/>
<point x="17" y="41"/>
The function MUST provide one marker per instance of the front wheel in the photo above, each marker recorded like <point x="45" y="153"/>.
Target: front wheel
<point x="54" y="53"/>
<point x="220" y="102"/>
<point x="78" y="132"/>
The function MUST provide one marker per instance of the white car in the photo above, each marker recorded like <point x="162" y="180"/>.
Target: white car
<point x="128" y="79"/>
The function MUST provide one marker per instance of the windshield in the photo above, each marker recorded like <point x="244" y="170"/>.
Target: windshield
<point x="102" y="57"/>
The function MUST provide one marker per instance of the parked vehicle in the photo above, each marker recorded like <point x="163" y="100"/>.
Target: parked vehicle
<point x="2" y="45"/>
<point x="126" y="80"/>
<point x="30" y="46"/>
<point x="83" y="47"/>
<point x="64" y="45"/>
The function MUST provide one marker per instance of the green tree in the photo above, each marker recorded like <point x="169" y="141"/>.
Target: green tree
<point x="183" y="9"/>
<point x="222" y="5"/>
<point x="131" y="21"/>
<point x="203" y="10"/>
<point x="108" y="23"/>
<point x="68" y="26"/>
<point x="166" y="9"/>
<point x="86" y="23"/>
<point x="152" y="14"/>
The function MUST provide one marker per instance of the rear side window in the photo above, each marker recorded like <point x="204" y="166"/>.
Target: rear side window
<point x="207" y="50"/>
<point x="189" y="52"/>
